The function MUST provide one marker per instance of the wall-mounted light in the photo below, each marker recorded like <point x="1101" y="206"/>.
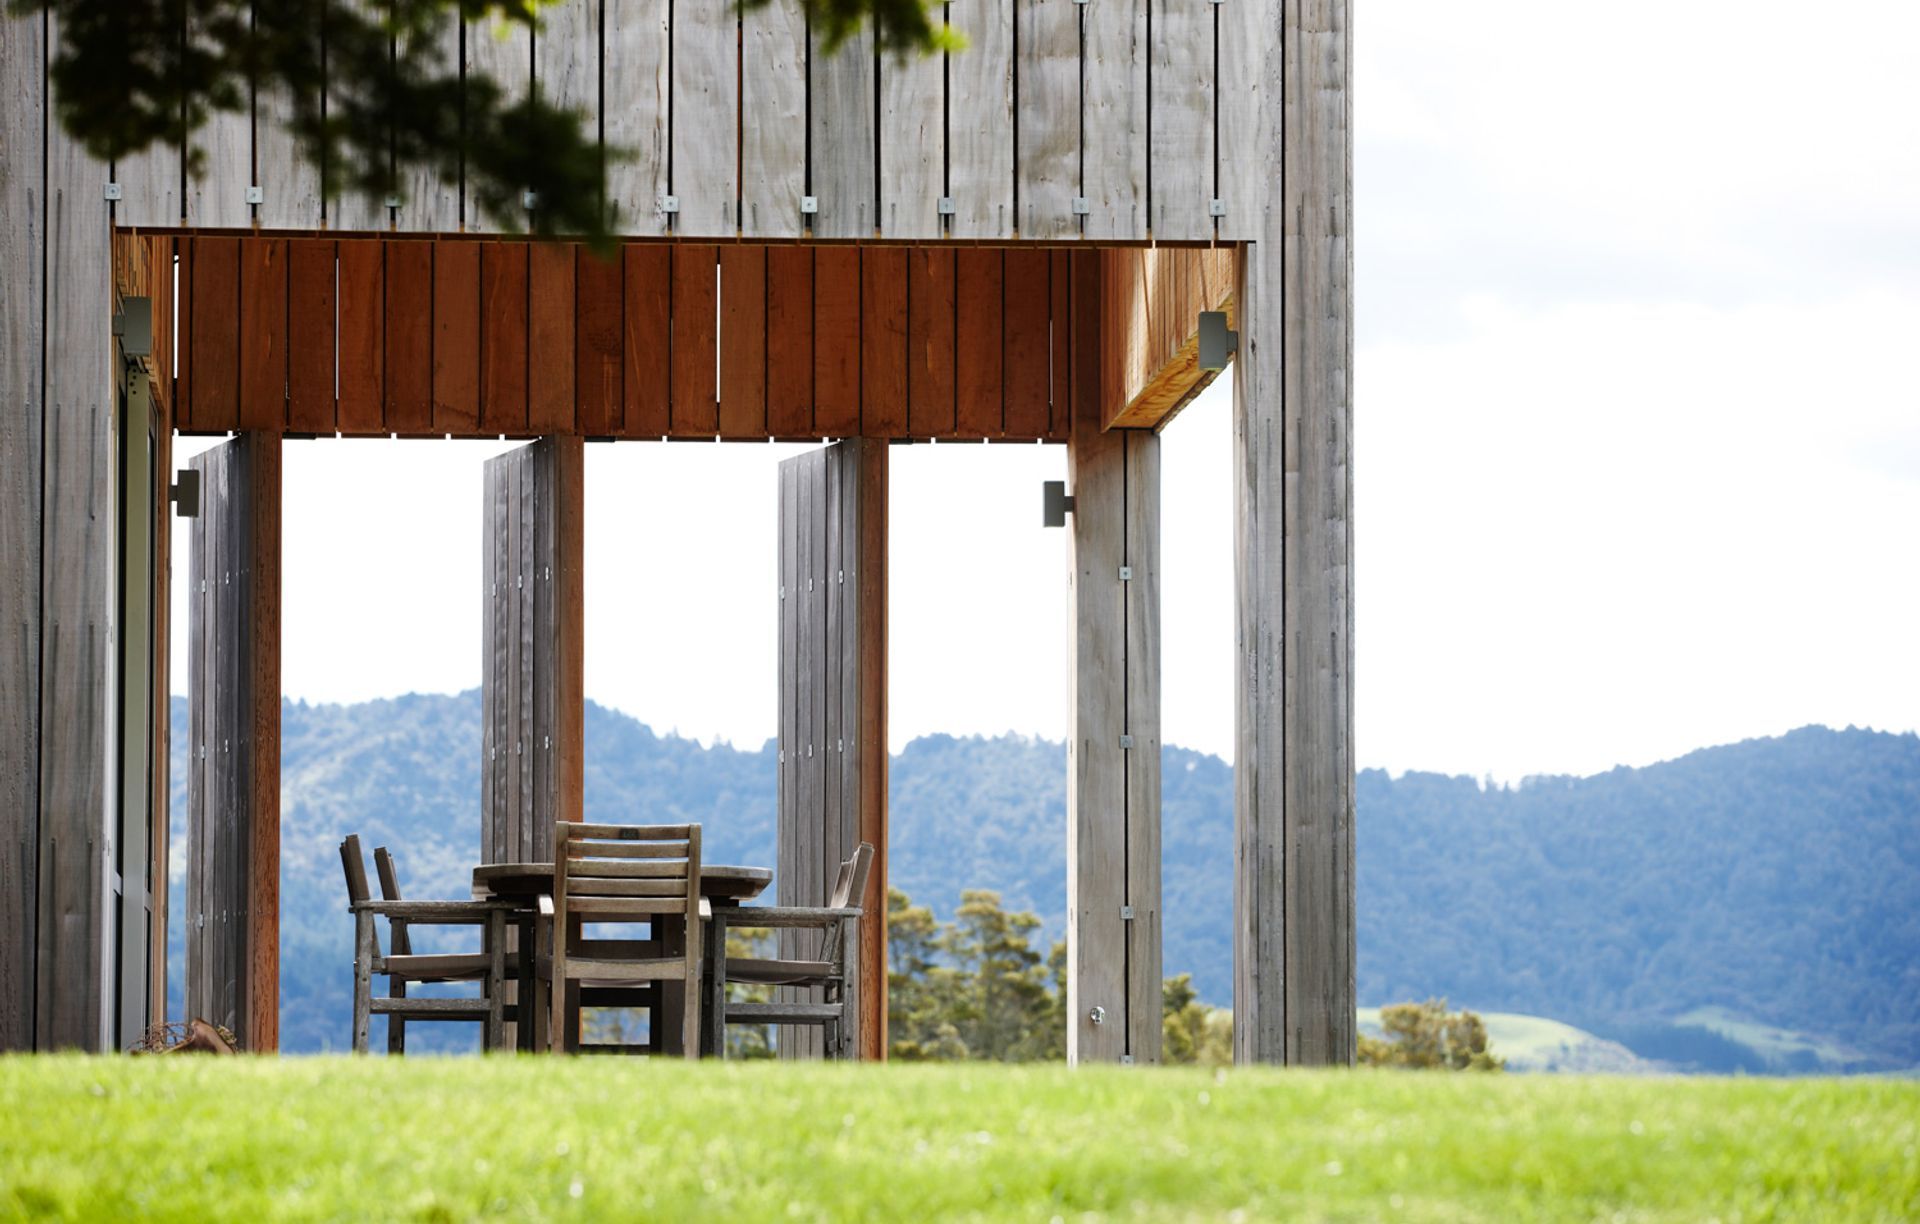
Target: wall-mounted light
<point x="185" y="493"/>
<point x="1054" y="503"/>
<point x="1218" y="342"/>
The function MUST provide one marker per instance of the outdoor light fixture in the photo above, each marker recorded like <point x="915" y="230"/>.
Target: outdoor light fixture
<point x="186" y="492"/>
<point x="134" y="326"/>
<point x="1218" y="342"/>
<point x="1054" y="504"/>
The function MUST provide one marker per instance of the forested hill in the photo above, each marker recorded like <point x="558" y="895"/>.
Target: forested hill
<point x="1768" y="883"/>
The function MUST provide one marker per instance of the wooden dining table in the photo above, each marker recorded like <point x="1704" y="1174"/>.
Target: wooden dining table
<point x="724" y="885"/>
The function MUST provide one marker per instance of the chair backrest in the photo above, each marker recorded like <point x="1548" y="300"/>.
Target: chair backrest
<point x="390" y="889"/>
<point x="354" y="863"/>
<point x="625" y="873"/>
<point x="849" y="889"/>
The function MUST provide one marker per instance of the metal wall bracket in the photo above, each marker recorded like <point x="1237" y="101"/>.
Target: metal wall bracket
<point x="393" y="201"/>
<point x="113" y="191"/>
<point x="945" y="207"/>
<point x="809" y="205"/>
<point x="530" y="200"/>
<point x="255" y="195"/>
<point x="1126" y="913"/>
<point x="1081" y="207"/>
<point x="1126" y="1060"/>
<point x="1126" y="741"/>
<point x="1216" y="207"/>
<point x="669" y="204"/>
<point x="1126" y="573"/>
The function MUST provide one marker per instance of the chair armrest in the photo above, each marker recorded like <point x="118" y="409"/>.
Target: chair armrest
<point x="790" y="915"/>
<point x="435" y="911"/>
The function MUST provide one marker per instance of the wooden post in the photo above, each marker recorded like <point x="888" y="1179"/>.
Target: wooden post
<point x="1113" y="744"/>
<point x="1293" y="776"/>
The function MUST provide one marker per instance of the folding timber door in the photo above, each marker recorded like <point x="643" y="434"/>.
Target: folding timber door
<point x="233" y="766"/>
<point x="833" y="711"/>
<point x="531" y="711"/>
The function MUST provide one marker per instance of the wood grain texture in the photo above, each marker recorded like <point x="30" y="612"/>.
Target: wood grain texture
<point x="456" y="336"/>
<point x="263" y="334"/>
<point x="362" y="331"/>
<point x="1141" y="611"/>
<point x="1026" y="360"/>
<point x="410" y="333"/>
<point x="428" y="203"/>
<point x="883" y="342"/>
<point x="1114" y="106"/>
<point x="503" y="337"/>
<point x="913" y="144"/>
<point x="289" y="183"/>
<point x="706" y="116"/>
<point x="261" y="710"/>
<point x="214" y="337"/>
<point x="844" y="126"/>
<point x="980" y="122"/>
<point x="150" y="180"/>
<point x="978" y="352"/>
<point x="501" y="51"/>
<point x="1047" y="116"/>
<point x="1060" y="340"/>
<point x="871" y="788"/>
<point x="217" y="196"/>
<point x="836" y="340"/>
<point x="773" y="112"/>
<point x="634" y="51"/>
<point x="790" y="342"/>
<point x="351" y="211"/>
<point x="1180" y="149"/>
<point x="599" y="336"/>
<point x="648" y="326"/>
<point x="310" y="331"/>
<point x="930" y="352"/>
<point x="551" y="322"/>
<point x="695" y="396"/>
<point x="1251" y="40"/>
<point x="1150" y="347"/>
<point x="23" y="220"/>
<point x="743" y="342"/>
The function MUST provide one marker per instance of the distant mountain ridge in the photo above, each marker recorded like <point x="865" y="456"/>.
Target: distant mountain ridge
<point x="1763" y="887"/>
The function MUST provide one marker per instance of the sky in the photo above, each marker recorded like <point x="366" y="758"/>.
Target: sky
<point x="1636" y="433"/>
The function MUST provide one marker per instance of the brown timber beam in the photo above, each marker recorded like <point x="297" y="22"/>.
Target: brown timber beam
<point x="1150" y="340"/>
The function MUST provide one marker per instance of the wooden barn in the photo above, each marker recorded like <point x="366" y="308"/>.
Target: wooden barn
<point x="1012" y="243"/>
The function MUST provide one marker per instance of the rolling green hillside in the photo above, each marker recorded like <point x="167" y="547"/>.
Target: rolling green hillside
<point x="1742" y="908"/>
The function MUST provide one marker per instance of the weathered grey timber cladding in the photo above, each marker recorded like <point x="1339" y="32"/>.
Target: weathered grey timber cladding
<point x="233" y="784"/>
<point x="531" y="755"/>
<point x="1293" y="780"/>
<point x="737" y="118"/>
<point x="832" y="716"/>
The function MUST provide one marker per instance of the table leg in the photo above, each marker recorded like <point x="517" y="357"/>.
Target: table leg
<point x="713" y="1030"/>
<point x="666" y="1020"/>
<point x="362" y="978"/>
<point x="496" y="981"/>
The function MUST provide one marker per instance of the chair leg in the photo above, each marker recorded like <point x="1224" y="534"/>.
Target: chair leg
<point x="362" y="979"/>
<point x="396" y="1025"/>
<point x="830" y="1041"/>
<point x="557" y="1008"/>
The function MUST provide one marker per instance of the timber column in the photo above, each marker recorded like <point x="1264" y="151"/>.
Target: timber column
<point x="1113" y="741"/>
<point x="1293" y="946"/>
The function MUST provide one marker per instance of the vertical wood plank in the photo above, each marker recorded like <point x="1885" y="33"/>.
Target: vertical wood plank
<point x="706" y="117"/>
<point x="695" y="403"/>
<point x="217" y="195"/>
<point x="743" y="342"/>
<point x="1251" y="40"/>
<point x="883" y="342"/>
<point x="262" y="710"/>
<point x="362" y="359"/>
<point x="773" y="103"/>
<point x="492" y="644"/>
<point x="648" y="288"/>
<point x="872" y="631"/>
<point x="836" y="338"/>
<point x="350" y="210"/>
<point x="514" y="740"/>
<point x="599" y="361"/>
<point x="310" y="330"/>
<point x="913" y="144"/>
<point x="263" y="334"/>
<point x="1114" y="140"/>
<point x="635" y="45"/>
<point x="501" y="51"/>
<point x="978" y="279"/>
<point x="843" y="128"/>
<point x="214" y="357"/>
<point x="456" y="337"/>
<point x="980" y="122"/>
<point x="503" y="337"/>
<point x="289" y="184"/>
<point x="183" y="333"/>
<point x="150" y="180"/>
<point x="1180" y="150"/>
<point x="551" y="314"/>
<point x="930" y="363"/>
<point x="1028" y="374"/>
<point x="569" y="631"/>
<point x="410" y="333"/>
<point x="790" y="331"/>
<point x="1141" y="611"/>
<point x="23" y="221"/>
<point x="430" y="204"/>
<point x="1060" y="334"/>
<point x="1047" y="116"/>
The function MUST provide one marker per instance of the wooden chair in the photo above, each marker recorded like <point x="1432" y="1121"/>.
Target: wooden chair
<point x="403" y="967"/>
<point x="626" y="873"/>
<point x="836" y="972"/>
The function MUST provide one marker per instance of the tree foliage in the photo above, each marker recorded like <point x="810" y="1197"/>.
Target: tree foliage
<point x="368" y="91"/>
<point x="1428" y="1037"/>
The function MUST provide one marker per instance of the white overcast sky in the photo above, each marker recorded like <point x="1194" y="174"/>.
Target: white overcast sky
<point x="1637" y="437"/>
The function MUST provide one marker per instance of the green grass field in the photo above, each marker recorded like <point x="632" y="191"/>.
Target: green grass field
<point x="446" y="1139"/>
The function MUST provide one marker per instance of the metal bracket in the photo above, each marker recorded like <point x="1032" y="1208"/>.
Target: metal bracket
<point x="809" y="205"/>
<point x="1081" y="207"/>
<point x="1216" y="207"/>
<point x="1126" y="913"/>
<point x="113" y="191"/>
<point x="255" y="195"/>
<point x="1098" y="1015"/>
<point x="945" y="207"/>
<point x="1126" y="1060"/>
<point x="1126" y="573"/>
<point x="393" y="201"/>
<point x="670" y="204"/>
<point x="1126" y="741"/>
<point x="530" y="200"/>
